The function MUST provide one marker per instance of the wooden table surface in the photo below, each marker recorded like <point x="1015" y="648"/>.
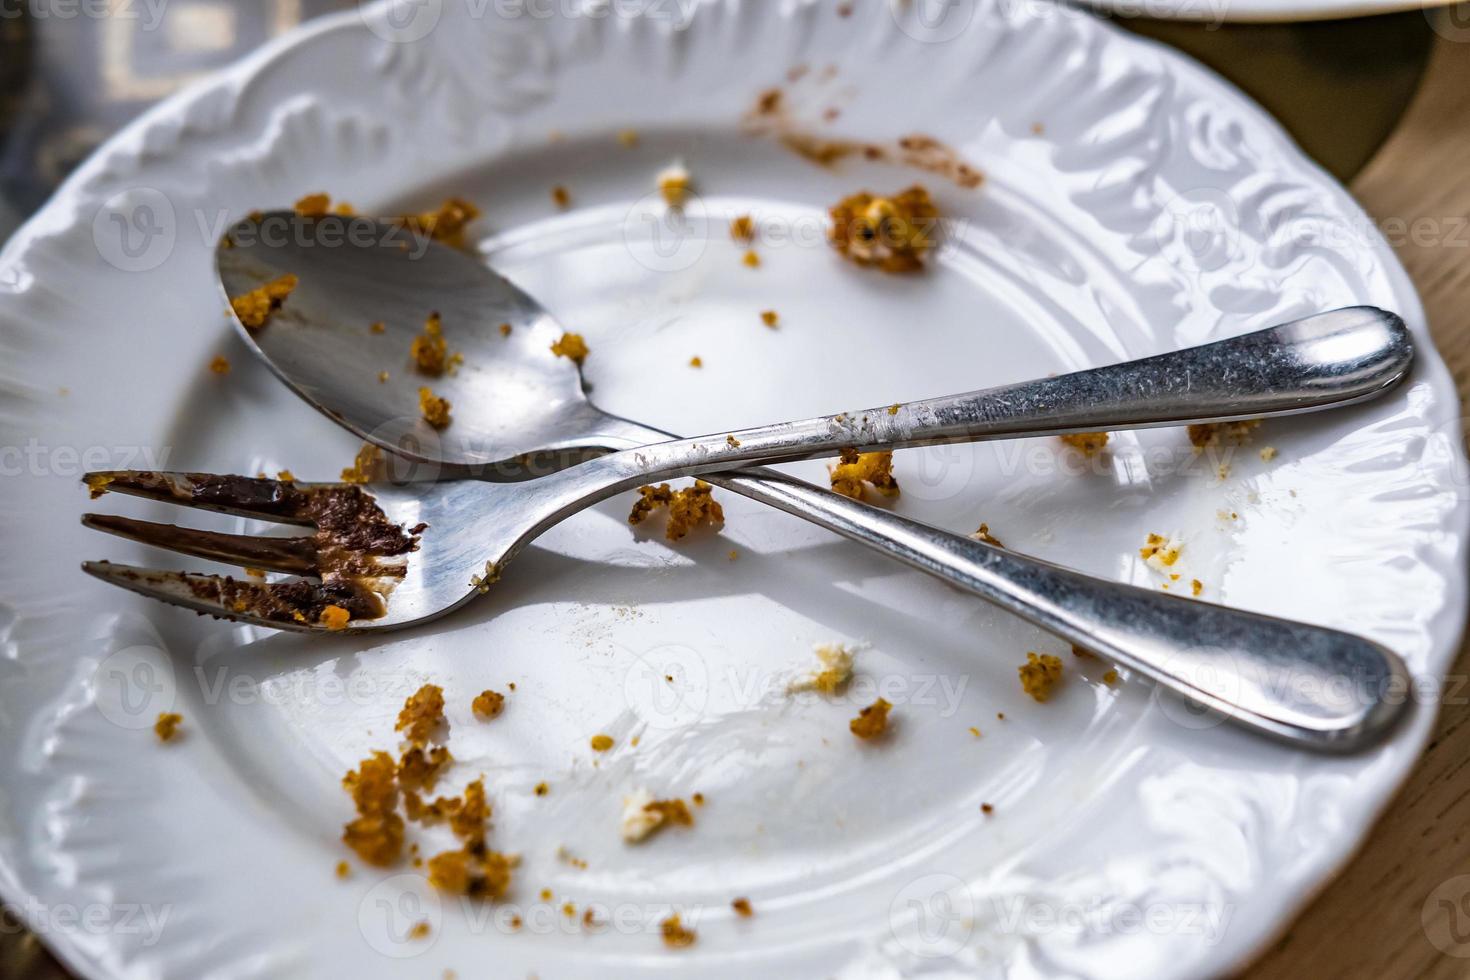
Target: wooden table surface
<point x="1372" y="921"/>
<point x="1339" y="89"/>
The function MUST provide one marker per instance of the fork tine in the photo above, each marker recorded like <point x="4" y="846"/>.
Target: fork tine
<point x="293" y="555"/>
<point x="279" y="605"/>
<point x="257" y="497"/>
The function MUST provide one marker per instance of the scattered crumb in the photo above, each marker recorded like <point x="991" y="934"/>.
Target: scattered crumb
<point x="770" y="318"/>
<point x="742" y="229"/>
<point x="561" y="197"/>
<point x="1083" y="653"/>
<point x="571" y="346"/>
<point x="696" y="361"/>
<point x="688" y="508"/>
<point x="378" y="327"/>
<point x="855" y="469"/>
<point x="732" y="442"/>
<point x="255" y="308"/>
<point x="1222" y="433"/>
<point x="642" y="815"/>
<point x="1196" y="586"/>
<point x="366" y="466"/>
<point x="343" y="869"/>
<point x="601" y="743"/>
<point x="893" y="409"/>
<point x="286" y="476"/>
<point x="542" y="789"/>
<point x="1087" y="443"/>
<point x="220" y="365"/>
<point x="1110" y="677"/>
<point x="982" y="533"/>
<point x="698" y="799"/>
<point x="422" y="714"/>
<point x="974" y="731"/>
<point x="742" y="907"/>
<point x="1039" y="674"/>
<point x="733" y="555"/>
<point x="482" y="583"/>
<point x="434" y="409"/>
<point x="674" y="933"/>
<point x="890" y="233"/>
<point x="872" y="721"/>
<point x="836" y="661"/>
<point x="1268" y="453"/>
<point x="1037" y="129"/>
<point x="446" y="223"/>
<point x="675" y="184"/>
<point x="505" y="329"/>
<point x="628" y="138"/>
<point x="420" y="930"/>
<point x="487" y="705"/>
<point x="167" y="725"/>
<point x="334" y="617"/>
<point x="382" y="377"/>
<point x="751" y="259"/>
<point x="376" y="834"/>
<point x="986" y="808"/>
<point x="429" y="350"/>
<point x="1160" y="552"/>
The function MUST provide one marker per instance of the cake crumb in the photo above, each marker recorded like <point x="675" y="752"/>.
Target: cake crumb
<point x="1222" y="433"/>
<point x="429" y="350"/>
<point x="872" y="721"/>
<point x="334" y="617"/>
<point x="742" y="229"/>
<point x="446" y="223"/>
<point x="561" y="197"/>
<point x="674" y="933"/>
<point x="853" y="470"/>
<point x="696" y="362"/>
<point x="1160" y="552"/>
<point x="1196" y="586"/>
<point x="628" y="138"/>
<point x="344" y="869"/>
<point x="255" y="308"/>
<point x="642" y="815"/>
<point x="422" y="714"/>
<point x="572" y="347"/>
<point x="220" y="365"/>
<point x="751" y="259"/>
<point x="1039" y="674"/>
<point x="488" y="704"/>
<point x="742" y="907"/>
<point x="434" y="409"/>
<point x="688" y="508"/>
<point x="893" y="234"/>
<point x="601" y="743"/>
<point x="831" y="676"/>
<point x="1110" y="677"/>
<point x="770" y="318"/>
<point x="167" y="725"/>
<point x="1089" y="444"/>
<point x="1268" y="453"/>
<point x="675" y="183"/>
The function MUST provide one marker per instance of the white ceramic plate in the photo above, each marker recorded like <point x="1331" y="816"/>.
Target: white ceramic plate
<point x="1132" y="203"/>
<point x="1229" y="11"/>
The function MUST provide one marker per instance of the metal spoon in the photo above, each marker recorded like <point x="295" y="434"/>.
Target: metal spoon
<point x="1230" y="660"/>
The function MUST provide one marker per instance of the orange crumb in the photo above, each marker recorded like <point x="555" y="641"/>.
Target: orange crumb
<point x="688" y="508"/>
<point x="601" y="743"/>
<point x="1039" y="674"/>
<point x="488" y="704"/>
<point x="572" y="346"/>
<point x="872" y="721"/>
<point x="434" y="409"/>
<point x="770" y="318"/>
<point x="855" y="469"/>
<point x="220" y="365"/>
<point x="167" y="725"/>
<point x="335" y="617"/>
<point x="256" y="307"/>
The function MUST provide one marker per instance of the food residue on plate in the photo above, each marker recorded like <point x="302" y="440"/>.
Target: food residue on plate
<point x="446" y="223"/>
<point x="854" y="470"/>
<point x="429" y="350"/>
<point x="220" y="365"/>
<point x="1222" y="433"/>
<point x="1160" y="552"/>
<point x="676" y="936"/>
<point x="642" y="815"/>
<point x="770" y="318"/>
<point x="167" y="725"/>
<point x="889" y="233"/>
<point x="872" y="721"/>
<point x="834" y="670"/>
<point x="675" y="184"/>
<point x="1039" y="674"/>
<point x="488" y="704"/>
<point x="688" y="508"/>
<point x="1087" y="443"/>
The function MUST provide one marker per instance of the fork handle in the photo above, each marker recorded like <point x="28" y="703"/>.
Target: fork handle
<point x="1308" y="685"/>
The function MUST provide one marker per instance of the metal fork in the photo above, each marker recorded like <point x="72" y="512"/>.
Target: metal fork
<point x="388" y="556"/>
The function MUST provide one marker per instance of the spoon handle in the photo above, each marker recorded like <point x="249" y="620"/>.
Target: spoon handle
<point x="1314" y="687"/>
<point x="1322" y="361"/>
